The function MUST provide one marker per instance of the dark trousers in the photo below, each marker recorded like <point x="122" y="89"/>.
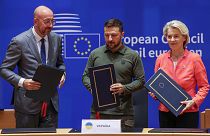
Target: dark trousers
<point x="127" y="122"/>
<point x="24" y="120"/>
<point x="186" y="120"/>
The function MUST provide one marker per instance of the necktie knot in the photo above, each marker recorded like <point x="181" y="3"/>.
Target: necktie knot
<point x="42" y="40"/>
<point x="42" y="52"/>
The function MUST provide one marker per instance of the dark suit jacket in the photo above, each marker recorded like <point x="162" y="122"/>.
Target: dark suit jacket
<point x="23" y="53"/>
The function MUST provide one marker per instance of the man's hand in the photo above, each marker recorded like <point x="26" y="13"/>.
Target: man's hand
<point x="62" y="81"/>
<point x="29" y="84"/>
<point x="117" y="88"/>
<point x="188" y="104"/>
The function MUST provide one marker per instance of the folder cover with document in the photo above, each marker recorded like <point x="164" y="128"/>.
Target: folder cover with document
<point x="49" y="77"/>
<point x="101" y="78"/>
<point x="167" y="91"/>
<point x="178" y="130"/>
<point x="27" y="130"/>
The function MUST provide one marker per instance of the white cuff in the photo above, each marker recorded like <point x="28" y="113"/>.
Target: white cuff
<point x="20" y="83"/>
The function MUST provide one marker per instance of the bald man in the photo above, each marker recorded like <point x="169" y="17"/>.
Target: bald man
<point x="24" y="51"/>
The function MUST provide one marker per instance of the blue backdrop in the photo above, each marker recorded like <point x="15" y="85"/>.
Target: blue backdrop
<point x="80" y="22"/>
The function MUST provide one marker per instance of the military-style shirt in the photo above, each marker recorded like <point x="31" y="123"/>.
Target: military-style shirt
<point x="129" y="72"/>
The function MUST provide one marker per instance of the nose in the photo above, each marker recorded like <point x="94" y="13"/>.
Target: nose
<point x="50" y="25"/>
<point x="172" y="38"/>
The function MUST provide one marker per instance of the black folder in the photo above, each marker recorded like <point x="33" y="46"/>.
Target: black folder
<point x="167" y="91"/>
<point x="101" y="78"/>
<point x="49" y="77"/>
<point x="131" y="130"/>
<point x="27" y="130"/>
<point x="178" y="130"/>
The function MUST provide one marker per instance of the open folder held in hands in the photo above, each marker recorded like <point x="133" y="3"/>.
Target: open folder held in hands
<point x="49" y="77"/>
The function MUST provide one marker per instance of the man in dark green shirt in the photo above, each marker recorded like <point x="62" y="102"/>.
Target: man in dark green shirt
<point x="128" y="69"/>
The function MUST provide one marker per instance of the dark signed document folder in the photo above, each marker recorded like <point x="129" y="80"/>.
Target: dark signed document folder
<point x="49" y="77"/>
<point x="178" y="130"/>
<point x="27" y="130"/>
<point x="101" y="78"/>
<point x="167" y="91"/>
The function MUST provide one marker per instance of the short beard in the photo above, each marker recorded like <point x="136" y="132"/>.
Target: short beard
<point x="116" y="47"/>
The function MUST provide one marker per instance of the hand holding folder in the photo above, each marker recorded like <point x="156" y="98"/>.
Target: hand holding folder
<point x="188" y="104"/>
<point x="101" y="78"/>
<point x="167" y="92"/>
<point x="117" y="88"/>
<point x="49" y="77"/>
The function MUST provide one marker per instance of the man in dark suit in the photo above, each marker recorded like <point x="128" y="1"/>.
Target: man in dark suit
<point x="24" y="51"/>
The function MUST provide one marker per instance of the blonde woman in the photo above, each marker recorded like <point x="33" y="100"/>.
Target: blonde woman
<point x="188" y="70"/>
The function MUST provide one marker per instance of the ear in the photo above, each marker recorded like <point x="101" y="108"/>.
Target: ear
<point x="122" y="33"/>
<point x="35" y="21"/>
<point x="185" y="39"/>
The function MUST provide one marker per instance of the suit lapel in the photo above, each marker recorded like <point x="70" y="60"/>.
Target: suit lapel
<point x="33" y="46"/>
<point x="50" y="49"/>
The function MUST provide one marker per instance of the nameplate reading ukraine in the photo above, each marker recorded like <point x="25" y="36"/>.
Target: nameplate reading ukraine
<point x="167" y="91"/>
<point x="101" y="126"/>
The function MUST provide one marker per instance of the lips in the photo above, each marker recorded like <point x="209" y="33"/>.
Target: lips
<point x="172" y="43"/>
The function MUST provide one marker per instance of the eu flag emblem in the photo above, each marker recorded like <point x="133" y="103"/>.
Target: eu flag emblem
<point x="80" y="45"/>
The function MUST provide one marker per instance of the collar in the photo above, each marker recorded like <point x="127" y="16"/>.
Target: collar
<point x="122" y="50"/>
<point x="186" y="52"/>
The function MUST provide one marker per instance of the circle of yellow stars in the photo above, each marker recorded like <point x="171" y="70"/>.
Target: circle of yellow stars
<point x="85" y="40"/>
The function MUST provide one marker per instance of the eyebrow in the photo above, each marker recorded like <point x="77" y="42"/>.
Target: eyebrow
<point x="111" y="32"/>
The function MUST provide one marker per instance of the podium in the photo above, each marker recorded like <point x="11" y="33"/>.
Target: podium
<point x="7" y="118"/>
<point x="205" y="119"/>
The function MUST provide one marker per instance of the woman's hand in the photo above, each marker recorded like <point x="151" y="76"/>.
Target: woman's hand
<point x="188" y="104"/>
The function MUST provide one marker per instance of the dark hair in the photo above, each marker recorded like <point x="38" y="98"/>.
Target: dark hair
<point x="114" y="23"/>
